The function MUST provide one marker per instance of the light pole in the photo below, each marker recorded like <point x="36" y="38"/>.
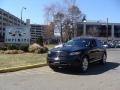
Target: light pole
<point x="84" y="24"/>
<point x="107" y="30"/>
<point x="61" y="32"/>
<point x="23" y="8"/>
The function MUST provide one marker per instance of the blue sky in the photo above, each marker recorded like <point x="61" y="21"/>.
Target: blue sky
<point x="94" y="9"/>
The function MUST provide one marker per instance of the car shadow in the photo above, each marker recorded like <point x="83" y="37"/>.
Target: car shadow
<point x="94" y="69"/>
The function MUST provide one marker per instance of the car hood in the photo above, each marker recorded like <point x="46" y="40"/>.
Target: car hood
<point x="67" y="48"/>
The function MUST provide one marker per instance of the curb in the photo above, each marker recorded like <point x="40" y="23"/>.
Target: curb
<point x="13" y="69"/>
<point x="113" y="49"/>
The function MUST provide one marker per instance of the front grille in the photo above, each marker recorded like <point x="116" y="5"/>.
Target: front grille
<point x="58" y="54"/>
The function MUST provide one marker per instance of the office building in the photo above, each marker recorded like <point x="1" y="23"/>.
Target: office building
<point x="101" y="30"/>
<point x="36" y="31"/>
<point x="7" y="19"/>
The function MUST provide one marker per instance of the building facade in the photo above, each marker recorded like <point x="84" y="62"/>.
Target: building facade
<point x="101" y="30"/>
<point x="44" y="31"/>
<point x="36" y="31"/>
<point x="7" y="19"/>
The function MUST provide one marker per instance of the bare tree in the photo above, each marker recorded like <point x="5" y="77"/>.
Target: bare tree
<point x="54" y="13"/>
<point x="58" y="19"/>
<point x="50" y="12"/>
<point x="76" y="16"/>
<point x="70" y="2"/>
<point x="65" y="19"/>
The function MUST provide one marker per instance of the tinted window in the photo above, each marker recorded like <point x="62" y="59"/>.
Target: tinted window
<point x="99" y="43"/>
<point x="79" y="42"/>
<point x="93" y="43"/>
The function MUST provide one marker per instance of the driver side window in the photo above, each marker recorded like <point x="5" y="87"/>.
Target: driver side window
<point x="87" y="43"/>
<point x="93" y="44"/>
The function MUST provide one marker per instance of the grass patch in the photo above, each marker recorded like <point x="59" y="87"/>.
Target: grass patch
<point x="50" y="46"/>
<point x="15" y="60"/>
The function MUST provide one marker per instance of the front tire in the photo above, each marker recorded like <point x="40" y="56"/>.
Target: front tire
<point x="54" y="68"/>
<point x="84" y="64"/>
<point x="103" y="60"/>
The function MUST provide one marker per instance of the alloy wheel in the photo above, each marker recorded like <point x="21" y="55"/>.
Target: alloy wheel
<point x="85" y="64"/>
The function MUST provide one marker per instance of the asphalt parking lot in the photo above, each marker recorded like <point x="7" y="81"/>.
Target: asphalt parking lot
<point x="97" y="78"/>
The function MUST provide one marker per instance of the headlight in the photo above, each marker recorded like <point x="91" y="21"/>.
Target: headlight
<point x="74" y="53"/>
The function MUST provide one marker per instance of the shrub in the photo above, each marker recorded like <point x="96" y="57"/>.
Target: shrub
<point x="45" y="49"/>
<point x="35" y="48"/>
<point x="20" y="52"/>
<point x="40" y="41"/>
<point x="18" y="47"/>
<point x="1" y="52"/>
<point x="12" y="47"/>
<point x="3" y="48"/>
<point x="13" y="52"/>
<point x="10" y="52"/>
<point x="24" y="48"/>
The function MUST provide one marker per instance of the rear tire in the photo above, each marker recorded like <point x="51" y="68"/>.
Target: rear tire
<point x="84" y="64"/>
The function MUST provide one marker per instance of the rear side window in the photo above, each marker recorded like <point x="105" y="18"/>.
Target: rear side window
<point x="99" y="43"/>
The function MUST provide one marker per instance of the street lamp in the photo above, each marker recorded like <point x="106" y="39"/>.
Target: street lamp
<point x="23" y="8"/>
<point x="107" y="26"/>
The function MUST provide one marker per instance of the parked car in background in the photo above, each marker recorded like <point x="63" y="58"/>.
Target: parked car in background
<point x="117" y="45"/>
<point x="78" y="52"/>
<point x="111" y="45"/>
<point x="105" y="45"/>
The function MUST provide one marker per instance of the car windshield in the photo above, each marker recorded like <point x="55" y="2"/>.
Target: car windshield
<point x="80" y="43"/>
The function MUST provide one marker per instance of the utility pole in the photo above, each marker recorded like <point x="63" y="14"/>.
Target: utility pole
<point x="107" y="27"/>
<point x="61" y="33"/>
<point x="84" y="25"/>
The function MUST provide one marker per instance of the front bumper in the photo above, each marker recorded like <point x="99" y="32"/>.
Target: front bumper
<point x="73" y="61"/>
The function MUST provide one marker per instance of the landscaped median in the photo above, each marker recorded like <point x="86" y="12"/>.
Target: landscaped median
<point x="15" y="62"/>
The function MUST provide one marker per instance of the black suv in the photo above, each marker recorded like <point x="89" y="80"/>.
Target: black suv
<point x="78" y="52"/>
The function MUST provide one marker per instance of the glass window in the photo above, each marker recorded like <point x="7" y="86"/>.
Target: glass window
<point x="103" y="31"/>
<point x="0" y="12"/>
<point x="12" y="40"/>
<point x="24" y="40"/>
<point x="9" y="40"/>
<point x="92" y="30"/>
<point x="99" y="43"/>
<point x="117" y="31"/>
<point x="79" y="29"/>
<point x="18" y="40"/>
<point x="0" y="17"/>
<point x="77" y="42"/>
<point x="27" y="40"/>
<point x="93" y="43"/>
